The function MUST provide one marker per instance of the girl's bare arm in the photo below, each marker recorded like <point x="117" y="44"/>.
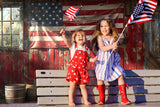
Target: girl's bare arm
<point x="106" y="48"/>
<point x="66" y="41"/>
<point x="93" y="59"/>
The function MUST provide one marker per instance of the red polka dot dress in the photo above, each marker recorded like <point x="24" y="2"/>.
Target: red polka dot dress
<point x="77" y="70"/>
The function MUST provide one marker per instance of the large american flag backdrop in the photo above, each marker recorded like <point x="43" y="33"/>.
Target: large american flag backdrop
<point x="47" y="19"/>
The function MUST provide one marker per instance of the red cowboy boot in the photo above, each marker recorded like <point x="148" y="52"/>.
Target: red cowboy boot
<point x="122" y="89"/>
<point x="101" y="89"/>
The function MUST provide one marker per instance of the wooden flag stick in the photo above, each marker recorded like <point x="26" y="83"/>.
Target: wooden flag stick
<point x="117" y="41"/>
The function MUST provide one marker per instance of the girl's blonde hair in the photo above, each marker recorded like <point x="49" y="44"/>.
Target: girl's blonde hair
<point x="81" y="32"/>
<point x="97" y="32"/>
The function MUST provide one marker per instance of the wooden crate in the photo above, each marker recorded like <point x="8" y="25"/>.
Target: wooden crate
<point x="52" y="87"/>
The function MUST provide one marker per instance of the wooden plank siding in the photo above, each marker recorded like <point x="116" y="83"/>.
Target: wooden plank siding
<point x="52" y="87"/>
<point x="24" y="63"/>
<point x="20" y="66"/>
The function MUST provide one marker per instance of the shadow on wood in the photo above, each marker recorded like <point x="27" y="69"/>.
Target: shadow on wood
<point x="133" y="80"/>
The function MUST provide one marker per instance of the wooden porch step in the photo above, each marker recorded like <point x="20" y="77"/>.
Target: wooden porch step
<point x="52" y="87"/>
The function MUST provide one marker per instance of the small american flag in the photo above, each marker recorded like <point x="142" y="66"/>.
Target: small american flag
<point x="143" y="12"/>
<point x="72" y="12"/>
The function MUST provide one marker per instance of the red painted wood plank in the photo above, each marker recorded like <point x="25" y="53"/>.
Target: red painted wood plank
<point x="66" y="58"/>
<point x="1" y="69"/>
<point x="16" y="66"/>
<point x="140" y="48"/>
<point x="130" y="51"/>
<point x="51" y="59"/>
<point x="60" y="55"/>
<point x="8" y="68"/>
<point x="121" y="53"/>
<point x="31" y="75"/>
<point x="25" y="66"/>
<point x="45" y="59"/>
<point x="56" y="54"/>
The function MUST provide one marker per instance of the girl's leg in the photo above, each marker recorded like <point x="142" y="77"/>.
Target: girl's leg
<point x="100" y="82"/>
<point x="84" y="93"/>
<point x="121" y="80"/>
<point x="101" y="90"/>
<point x="122" y="89"/>
<point x="71" y="93"/>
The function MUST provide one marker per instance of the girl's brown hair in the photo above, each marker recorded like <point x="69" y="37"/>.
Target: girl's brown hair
<point x="75" y="34"/>
<point x="97" y="32"/>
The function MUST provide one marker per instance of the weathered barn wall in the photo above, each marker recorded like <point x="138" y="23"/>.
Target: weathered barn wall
<point x="20" y="66"/>
<point x="133" y="52"/>
<point x="152" y="41"/>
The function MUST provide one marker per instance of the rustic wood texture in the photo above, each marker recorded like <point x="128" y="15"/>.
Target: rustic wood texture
<point x="133" y="48"/>
<point x="92" y="90"/>
<point x="95" y="99"/>
<point x="52" y="87"/>
<point x="20" y="66"/>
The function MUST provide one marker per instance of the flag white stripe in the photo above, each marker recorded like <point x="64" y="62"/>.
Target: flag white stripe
<point x="70" y="13"/>
<point x="144" y="15"/>
<point x="148" y="5"/>
<point x="98" y="17"/>
<point x="98" y="7"/>
<point x="69" y="28"/>
<point x="149" y="9"/>
<point x="140" y="20"/>
<point x="147" y="12"/>
<point x="150" y="1"/>
<point x="53" y="38"/>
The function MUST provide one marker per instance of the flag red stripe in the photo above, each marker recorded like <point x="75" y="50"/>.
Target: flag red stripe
<point x="48" y="33"/>
<point x="78" y="3"/>
<point x="80" y="23"/>
<point x="99" y="12"/>
<point x="141" y="22"/>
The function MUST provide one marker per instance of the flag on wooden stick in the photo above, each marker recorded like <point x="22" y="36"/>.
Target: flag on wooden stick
<point x="143" y="12"/>
<point x="72" y="12"/>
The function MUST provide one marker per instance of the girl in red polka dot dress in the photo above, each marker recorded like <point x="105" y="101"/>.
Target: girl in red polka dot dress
<point x="77" y="71"/>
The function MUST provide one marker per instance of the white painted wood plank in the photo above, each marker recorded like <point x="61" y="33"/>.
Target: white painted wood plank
<point x="57" y="73"/>
<point x="51" y="82"/>
<point x="142" y="73"/>
<point x="52" y="100"/>
<point x="93" y="81"/>
<point x="129" y="73"/>
<point x="59" y="91"/>
<point x="95" y="99"/>
<point x="51" y="73"/>
<point x="55" y="91"/>
<point x="144" y="88"/>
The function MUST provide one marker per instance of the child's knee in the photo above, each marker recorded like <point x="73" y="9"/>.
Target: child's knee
<point x="82" y="86"/>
